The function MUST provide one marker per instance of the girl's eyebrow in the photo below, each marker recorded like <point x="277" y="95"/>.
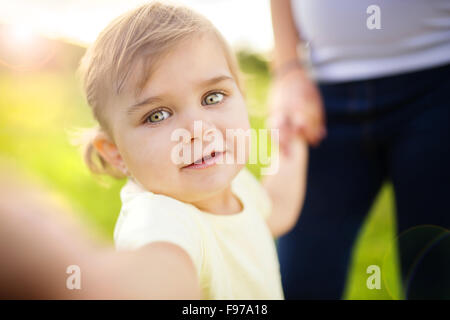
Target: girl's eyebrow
<point x="213" y="80"/>
<point x="134" y="108"/>
<point x="203" y="83"/>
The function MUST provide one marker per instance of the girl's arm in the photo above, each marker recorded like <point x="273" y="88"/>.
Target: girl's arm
<point x="159" y="270"/>
<point x="287" y="187"/>
<point x="38" y="244"/>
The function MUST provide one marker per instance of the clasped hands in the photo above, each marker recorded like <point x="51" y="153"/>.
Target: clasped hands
<point x="296" y="109"/>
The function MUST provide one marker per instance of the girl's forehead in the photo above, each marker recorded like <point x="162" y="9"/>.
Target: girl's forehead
<point x="192" y="61"/>
<point x="193" y="55"/>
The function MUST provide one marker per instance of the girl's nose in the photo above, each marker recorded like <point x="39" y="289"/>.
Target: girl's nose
<point x="200" y="128"/>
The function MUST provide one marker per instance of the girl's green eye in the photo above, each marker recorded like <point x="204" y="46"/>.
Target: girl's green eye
<point x="158" y="116"/>
<point x="213" y="98"/>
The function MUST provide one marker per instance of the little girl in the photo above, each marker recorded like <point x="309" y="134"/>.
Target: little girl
<point x="206" y="221"/>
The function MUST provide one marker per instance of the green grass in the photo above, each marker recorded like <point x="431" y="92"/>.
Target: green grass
<point x="37" y="109"/>
<point x="376" y="245"/>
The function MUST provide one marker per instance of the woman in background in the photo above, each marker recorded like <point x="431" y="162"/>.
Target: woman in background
<point x="382" y="74"/>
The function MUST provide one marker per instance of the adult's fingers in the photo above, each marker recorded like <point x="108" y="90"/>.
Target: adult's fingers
<point x="315" y="129"/>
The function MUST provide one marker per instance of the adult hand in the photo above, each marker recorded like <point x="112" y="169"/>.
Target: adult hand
<point x="296" y="108"/>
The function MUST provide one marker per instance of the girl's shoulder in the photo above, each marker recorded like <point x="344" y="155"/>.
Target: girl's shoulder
<point x="137" y="200"/>
<point x="147" y="217"/>
<point x="144" y="209"/>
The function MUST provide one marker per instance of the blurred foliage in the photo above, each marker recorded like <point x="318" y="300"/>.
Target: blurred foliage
<point x="252" y="63"/>
<point x="39" y="107"/>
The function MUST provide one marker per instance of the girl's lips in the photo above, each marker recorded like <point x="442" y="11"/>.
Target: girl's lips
<point x="206" y="163"/>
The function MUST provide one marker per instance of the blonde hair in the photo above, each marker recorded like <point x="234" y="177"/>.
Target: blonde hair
<point x="132" y="44"/>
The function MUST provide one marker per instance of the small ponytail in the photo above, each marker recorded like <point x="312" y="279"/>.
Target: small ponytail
<point x="83" y="138"/>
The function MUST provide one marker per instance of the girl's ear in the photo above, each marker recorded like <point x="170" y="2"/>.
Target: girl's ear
<point x="108" y="150"/>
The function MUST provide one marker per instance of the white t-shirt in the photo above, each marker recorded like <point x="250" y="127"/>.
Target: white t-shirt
<point x="414" y="35"/>
<point x="234" y="255"/>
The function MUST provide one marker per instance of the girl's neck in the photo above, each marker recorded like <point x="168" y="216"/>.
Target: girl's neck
<point x="222" y="203"/>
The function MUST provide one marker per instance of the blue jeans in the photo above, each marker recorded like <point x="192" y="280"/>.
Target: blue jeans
<point x="394" y="128"/>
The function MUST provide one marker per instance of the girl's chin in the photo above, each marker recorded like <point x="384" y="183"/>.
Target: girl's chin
<point x="211" y="180"/>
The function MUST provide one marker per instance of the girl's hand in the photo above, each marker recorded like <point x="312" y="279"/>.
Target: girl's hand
<point x="296" y="108"/>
